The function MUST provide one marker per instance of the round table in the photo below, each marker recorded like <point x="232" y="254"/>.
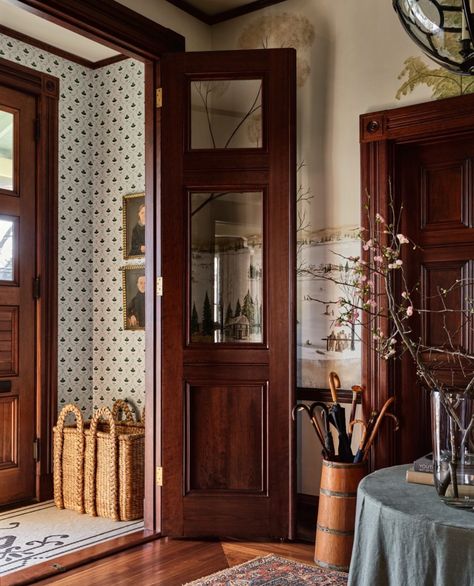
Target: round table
<point x="405" y="535"/>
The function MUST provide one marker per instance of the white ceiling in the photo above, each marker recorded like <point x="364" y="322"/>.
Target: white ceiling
<point x="24" y="22"/>
<point x="215" y="6"/>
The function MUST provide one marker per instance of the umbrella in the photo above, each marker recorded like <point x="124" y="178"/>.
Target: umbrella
<point x="314" y="423"/>
<point x="356" y="390"/>
<point x="338" y="419"/>
<point x="328" y="441"/>
<point x="365" y="436"/>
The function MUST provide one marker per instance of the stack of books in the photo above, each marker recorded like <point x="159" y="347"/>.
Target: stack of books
<point x="422" y="471"/>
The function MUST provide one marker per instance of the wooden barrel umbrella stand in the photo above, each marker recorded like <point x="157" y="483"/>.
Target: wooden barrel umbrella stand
<point x="336" y="514"/>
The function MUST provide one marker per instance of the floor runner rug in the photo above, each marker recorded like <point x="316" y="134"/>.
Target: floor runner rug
<point x="273" y="570"/>
<point x="40" y="532"/>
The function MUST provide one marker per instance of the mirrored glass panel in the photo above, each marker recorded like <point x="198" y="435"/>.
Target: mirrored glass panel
<point x="226" y="114"/>
<point x="226" y="267"/>
<point x="6" y="150"/>
<point x="7" y="235"/>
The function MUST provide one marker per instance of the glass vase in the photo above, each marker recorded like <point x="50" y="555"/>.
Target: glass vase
<point x="452" y="428"/>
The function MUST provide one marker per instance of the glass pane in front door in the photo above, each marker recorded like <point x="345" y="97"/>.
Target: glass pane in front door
<point x="6" y="150"/>
<point x="7" y="235"/>
<point x="226" y="114"/>
<point x="226" y="267"/>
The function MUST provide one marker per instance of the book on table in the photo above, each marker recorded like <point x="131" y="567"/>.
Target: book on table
<point x="424" y="464"/>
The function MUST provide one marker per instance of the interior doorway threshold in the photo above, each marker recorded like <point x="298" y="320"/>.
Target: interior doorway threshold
<point x="63" y="539"/>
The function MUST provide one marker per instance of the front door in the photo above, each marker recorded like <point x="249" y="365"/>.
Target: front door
<point x="228" y="225"/>
<point x="17" y="305"/>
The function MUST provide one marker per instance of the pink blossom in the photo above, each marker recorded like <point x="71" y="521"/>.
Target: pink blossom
<point x="378" y="258"/>
<point x="399" y="262"/>
<point x="372" y="303"/>
<point x="379" y="218"/>
<point x="402" y="239"/>
<point x="368" y="244"/>
<point x="410" y="310"/>
<point x="354" y="316"/>
<point x="404" y="295"/>
<point x="370" y="284"/>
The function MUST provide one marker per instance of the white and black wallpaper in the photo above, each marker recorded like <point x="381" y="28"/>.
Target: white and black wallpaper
<point x="101" y="157"/>
<point x="119" y="168"/>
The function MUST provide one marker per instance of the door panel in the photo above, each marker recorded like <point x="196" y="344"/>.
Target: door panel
<point x="228" y="184"/>
<point x="435" y="185"/>
<point x="17" y="306"/>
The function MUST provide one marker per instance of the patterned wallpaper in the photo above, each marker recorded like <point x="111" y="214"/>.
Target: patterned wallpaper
<point x="119" y="168"/>
<point x="100" y="157"/>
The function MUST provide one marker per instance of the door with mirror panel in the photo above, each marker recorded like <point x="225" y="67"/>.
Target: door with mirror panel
<point x="228" y="185"/>
<point x="17" y="306"/>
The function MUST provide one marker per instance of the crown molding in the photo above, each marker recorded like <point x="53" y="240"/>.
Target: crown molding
<point x="212" y="19"/>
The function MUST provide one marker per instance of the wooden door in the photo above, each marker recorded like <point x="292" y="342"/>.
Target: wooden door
<point x="424" y="153"/>
<point x="17" y="305"/>
<point x="435" y="185"/>
<point x="228" y="198"/>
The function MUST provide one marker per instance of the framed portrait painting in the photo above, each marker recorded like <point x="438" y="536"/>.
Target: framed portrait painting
<point x="133" y="212"/>
<point x="133" y="287"/>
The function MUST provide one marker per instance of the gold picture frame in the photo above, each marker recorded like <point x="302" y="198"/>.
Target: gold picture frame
<point x="133" y="296"/>
<point x="133" y="226"/>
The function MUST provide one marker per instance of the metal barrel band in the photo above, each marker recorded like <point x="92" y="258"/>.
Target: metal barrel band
<point x="343" y="466"/>
<point x="331" y="566"/>
<point x="333" y="493"/>
<point x="340" y="532"/>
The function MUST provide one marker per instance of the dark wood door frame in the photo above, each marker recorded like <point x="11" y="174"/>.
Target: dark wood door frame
<point x="45" y="88"/>
<point x="380" y="133"/>
<point x="116" y="26"/>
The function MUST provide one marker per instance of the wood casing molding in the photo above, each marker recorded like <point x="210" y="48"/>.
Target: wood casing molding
<point x="110" y="23"/>
<point x="225" y="14"/>
<point x="46" y="90"/>
<point x="9" y="32"/>
<point x="380" y="133"/>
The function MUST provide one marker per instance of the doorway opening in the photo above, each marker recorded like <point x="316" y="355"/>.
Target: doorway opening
<point x="81" y="300"/>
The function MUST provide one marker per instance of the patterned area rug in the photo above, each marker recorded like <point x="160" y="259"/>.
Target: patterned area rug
<point x="39" y="532"/>
<point x="273" y="570"/>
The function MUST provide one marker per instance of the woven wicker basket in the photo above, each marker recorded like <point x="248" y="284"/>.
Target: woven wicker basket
<point x="68" y="475"/>
<point x="114" y="467"/>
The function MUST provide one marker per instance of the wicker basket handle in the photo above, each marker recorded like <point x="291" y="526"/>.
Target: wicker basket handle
<point x="122" y="407"/>
<point x="64" y="413"/>
<point x="58" y="449"/>
<point x="142" y="420"/>
<point x="91" y="459"/>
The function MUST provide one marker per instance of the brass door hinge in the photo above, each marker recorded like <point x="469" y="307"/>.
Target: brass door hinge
<point x="159" y="97"/>
<point x="159" y="476"/>
<point x="159" y="286"/>
<point x="36" y="449"/>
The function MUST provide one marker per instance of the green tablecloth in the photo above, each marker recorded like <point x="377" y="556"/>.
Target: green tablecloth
<point x="405" y="535"/>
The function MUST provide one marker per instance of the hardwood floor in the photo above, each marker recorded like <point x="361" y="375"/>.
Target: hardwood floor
<point x="173" y="562"/>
